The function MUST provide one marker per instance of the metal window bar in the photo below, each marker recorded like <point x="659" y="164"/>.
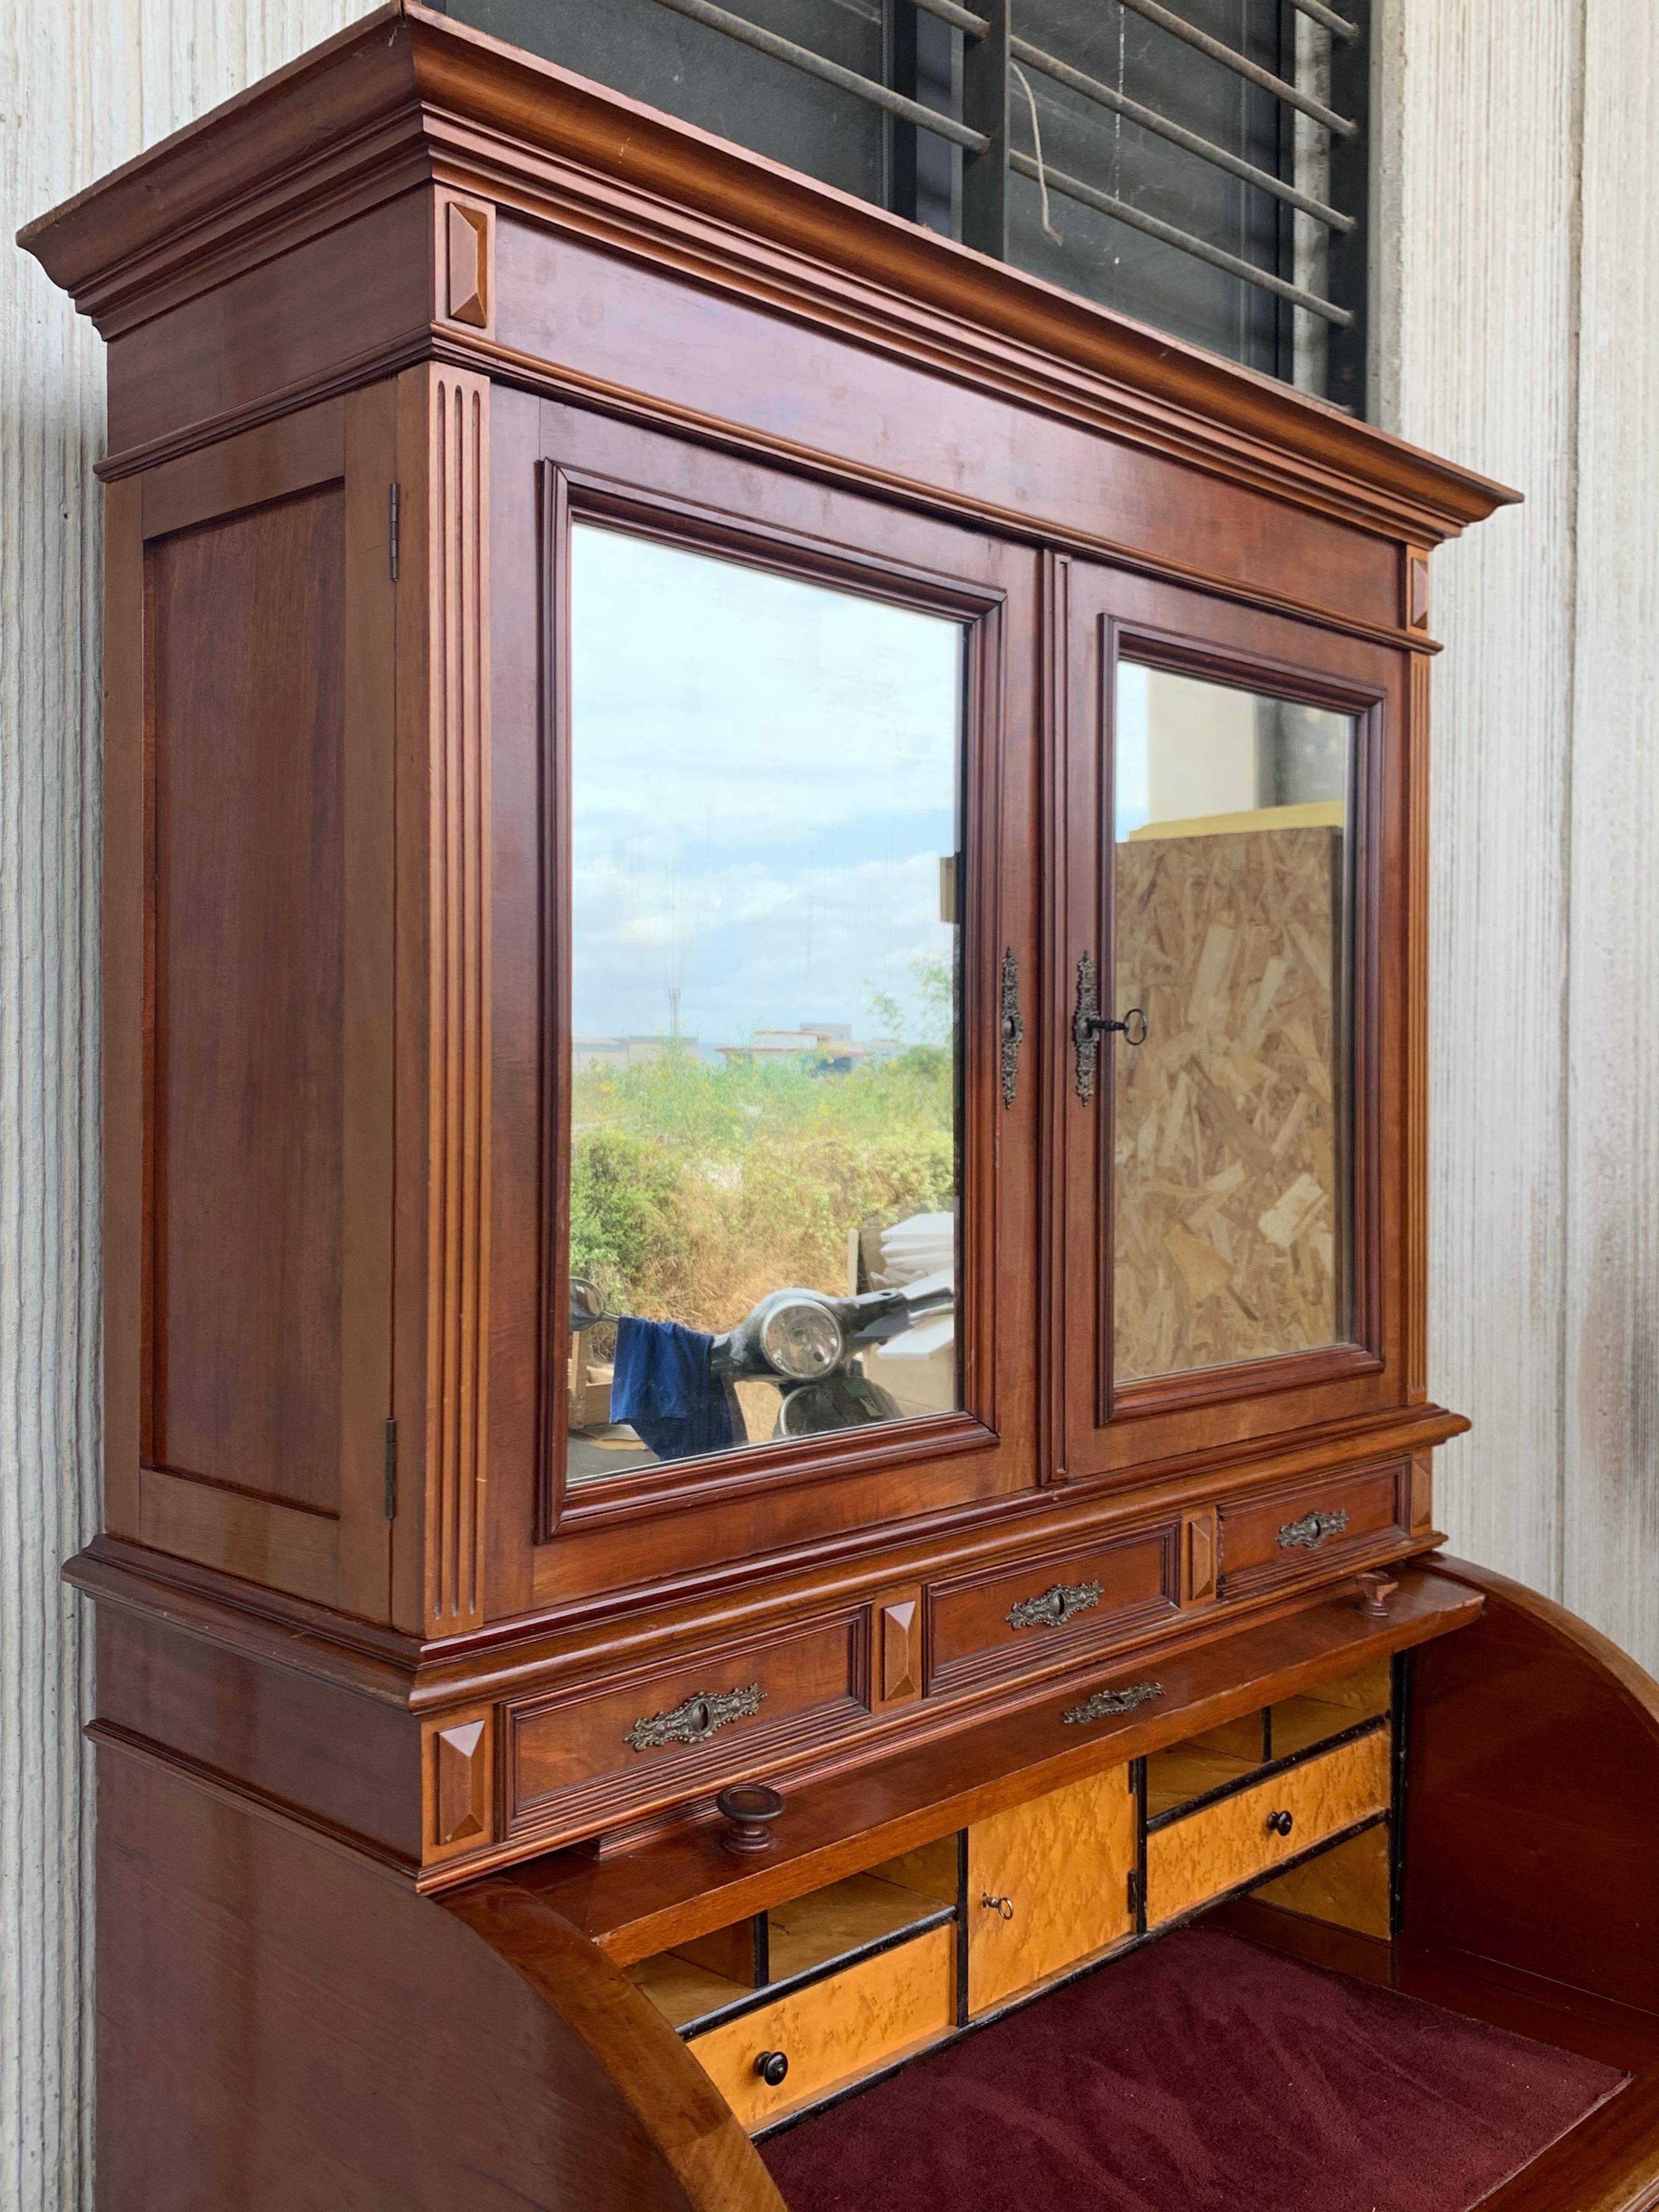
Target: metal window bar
<point x="1241" y="65"/>
<point x="1150" y="120"/>
<point x="980" y="142"/>
<point x="1200" y="248"/>
<point x="819" y="66"/>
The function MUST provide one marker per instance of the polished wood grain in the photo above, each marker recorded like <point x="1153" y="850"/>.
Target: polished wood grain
<point x="1062" y="1863"/>
<point x="1532" y="1796"/>
<point x="1204" y="1854"/>
<point x="293" y="1988"/>
<point x="1347" y="1886"/>
<point x="898" y="1633"/>
<point x="1254" y="1554"/>
<point x="661" y="1891"/>
<point x="248" y="1103"/>
<point x="458" y="1115"/>
<point x="459" y="1783"/>
<point x="809" y="1931"/>
<point x="127" y="1027"/>
<point x="576" y="1753"/>
<point x="834" y="2030"/>
<point x="1117" y="1589"/>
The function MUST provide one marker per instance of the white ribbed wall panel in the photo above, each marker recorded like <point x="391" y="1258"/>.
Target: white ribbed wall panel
<point x="84" y="85"/>
<point x="1517" y="326"/>
<point x="1517" y="329"/>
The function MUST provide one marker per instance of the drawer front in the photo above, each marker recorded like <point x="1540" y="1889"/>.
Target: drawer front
<point x="1055" y="1872"/>
<point x="1205" y="1854"/>
<point x="1300" y="1532"/>
<point x="627" y="1745"/>
<point x="1055" y="1606"/>
<point x="835" y="2030"/>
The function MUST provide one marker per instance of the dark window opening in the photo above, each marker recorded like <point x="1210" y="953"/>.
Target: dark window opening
<point x="1199" y="164"/>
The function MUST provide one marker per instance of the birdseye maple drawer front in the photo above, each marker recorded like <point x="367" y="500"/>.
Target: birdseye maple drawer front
<point x="1282" y="1535"/>
<point x="1004" y="1619"/>
<point x="813" y="2039"/>
<point x="640" y="1740"/>
<point x="1202" y="1855"/>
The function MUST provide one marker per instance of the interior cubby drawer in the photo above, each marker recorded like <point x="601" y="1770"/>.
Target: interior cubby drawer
<point x="835" y="2030"/>
<point x="1286" y="1534"/>
<point x="1005" y="1619"/>
<point x="1195" y="1856"/>
<point x="639" y="1740"/>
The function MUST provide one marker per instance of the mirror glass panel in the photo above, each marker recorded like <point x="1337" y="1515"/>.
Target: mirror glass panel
<point x="1233" y="919"/>
<point x="764" y="993"/>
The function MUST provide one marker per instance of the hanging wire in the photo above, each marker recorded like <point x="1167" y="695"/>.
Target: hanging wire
<point x="1049" y="230"/>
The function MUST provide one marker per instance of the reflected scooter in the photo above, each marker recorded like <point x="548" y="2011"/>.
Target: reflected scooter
<point x="808" y="1344"/>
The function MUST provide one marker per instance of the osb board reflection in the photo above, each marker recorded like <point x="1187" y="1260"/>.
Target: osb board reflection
<point x="1226" y="1136"/>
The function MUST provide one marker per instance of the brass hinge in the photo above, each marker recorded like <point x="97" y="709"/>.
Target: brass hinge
<point x="394" y="537"/>
<point x="392" y="1470"/>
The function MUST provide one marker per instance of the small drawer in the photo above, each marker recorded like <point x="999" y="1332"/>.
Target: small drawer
<point x="1298" y="1532"/>
<point x="630" y="1743"/>
<point x="1201" y="1856"/>
<point x="834" y="2030"/>
<point x="1056" y="1607"/>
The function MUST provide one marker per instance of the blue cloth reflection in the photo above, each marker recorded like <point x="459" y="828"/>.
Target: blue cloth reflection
<point x="662" y="1386"/>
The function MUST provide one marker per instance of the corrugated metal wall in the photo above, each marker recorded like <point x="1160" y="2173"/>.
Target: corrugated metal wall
<point x="84" y="85"/>
<point x="1518" y="312"/>
<point x="1517" y="318"/>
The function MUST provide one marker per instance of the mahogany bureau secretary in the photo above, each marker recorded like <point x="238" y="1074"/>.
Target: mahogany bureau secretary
<point x="764" y="1137"/>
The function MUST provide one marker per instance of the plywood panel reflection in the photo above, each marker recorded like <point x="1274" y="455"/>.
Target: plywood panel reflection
<point x="1228" y="1225"/>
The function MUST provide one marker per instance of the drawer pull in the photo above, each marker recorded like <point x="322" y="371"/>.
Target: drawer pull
<point x="1280" y="1824"/>
<point x="773" y="2067"/>
<point x="702" y="1715"/>
<point x="1056" y="1604"/>
<point x="1004" y="1906"/>
<point x="1104" y="1703"/>
<point x="1308" y="1533"/>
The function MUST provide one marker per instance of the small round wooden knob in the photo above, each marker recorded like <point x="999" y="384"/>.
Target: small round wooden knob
<point x="773" y="2067"/>
<point x="1375" y="1590"/>
<point x="749" y="1809"/>
<point x="1280" y="1823"/>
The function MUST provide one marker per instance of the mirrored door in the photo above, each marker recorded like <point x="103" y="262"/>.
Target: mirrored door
<point x="1230" y="1233"/>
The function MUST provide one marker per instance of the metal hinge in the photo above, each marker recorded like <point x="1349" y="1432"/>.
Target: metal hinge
<point x="392" y="1470"/>
<point x="1134" y="1893"/>
<point x="393" y="538"/>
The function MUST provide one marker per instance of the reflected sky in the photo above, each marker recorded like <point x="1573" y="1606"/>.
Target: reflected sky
<point x="765" y="780"/>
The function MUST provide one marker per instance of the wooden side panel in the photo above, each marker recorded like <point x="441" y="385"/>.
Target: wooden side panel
<point x="1048" y="1884"/>
<point x="126" y="1009"/>
<point x="1532" y="1798"/>
<point x="247" y="619"/>
<point x="281" y="2024"/>
<point x="835" y="2030"/>
<point x="256" y="1140"/>
<point x="1208" y="1853"/>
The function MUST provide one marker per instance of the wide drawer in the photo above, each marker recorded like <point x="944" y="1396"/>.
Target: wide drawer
<point x="1286" y="1534"/>
<point x="836" y="2030"/>
<point x="1054" y="1606"/>
<point x="1202" y="1855"/>
<point x="633" y="1742"/>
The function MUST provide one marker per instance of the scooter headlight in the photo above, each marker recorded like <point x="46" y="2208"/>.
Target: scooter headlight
<point x="801" y="1338"/>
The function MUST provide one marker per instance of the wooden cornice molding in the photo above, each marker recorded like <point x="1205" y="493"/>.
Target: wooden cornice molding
<point x="405" y="97"/>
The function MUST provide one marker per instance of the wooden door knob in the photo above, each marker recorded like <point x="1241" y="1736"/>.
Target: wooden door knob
<point x="773" y="2067"/>
<point x="1281" y="1823"/>
<point x="1376" y="1588"/>
<point x="749" y="1809"/>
